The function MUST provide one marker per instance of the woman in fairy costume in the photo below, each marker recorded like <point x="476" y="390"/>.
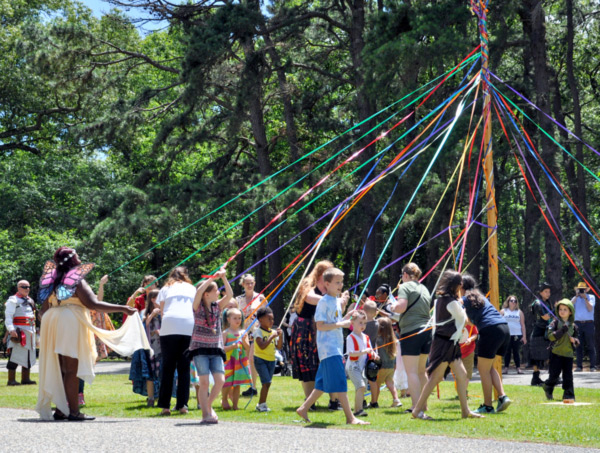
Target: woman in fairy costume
<point x="67" y="347"/>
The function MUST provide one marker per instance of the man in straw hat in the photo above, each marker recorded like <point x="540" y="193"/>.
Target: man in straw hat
<point x="584" y="304"/>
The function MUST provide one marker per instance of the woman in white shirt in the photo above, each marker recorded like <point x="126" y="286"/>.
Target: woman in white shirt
<point x="516" y="325"/>
<point x="175" y="300"/>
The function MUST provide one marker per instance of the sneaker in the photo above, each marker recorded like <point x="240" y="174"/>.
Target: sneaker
<point x="262" y="407"/>
<point x="396" y="403"/>
<point x="373" y="406"/>
<point x="313" y="408"/>
<point x="334" y="405"/>
<point x="361" y="413"/>
<point x="548" y="391"/>
<point x="250" y="392"/>
<point x="503" y="403"/>
<point x="519" y="371"/>
<point x="184" y="410"/>
<point x="593" y="369"/>
<point x="505" y="370"/>
<point x="365" y="404"/>
<point x="579" y="369"/>
<point x="483" y="409"/>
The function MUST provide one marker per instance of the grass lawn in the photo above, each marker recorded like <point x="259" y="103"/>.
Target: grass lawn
<point x="528" y="419"/>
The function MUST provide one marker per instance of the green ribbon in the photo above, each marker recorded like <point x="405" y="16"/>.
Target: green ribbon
<point x="294" y="163"/>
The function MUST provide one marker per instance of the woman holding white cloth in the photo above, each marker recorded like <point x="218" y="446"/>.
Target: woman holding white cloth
<point x="67" y="345"/>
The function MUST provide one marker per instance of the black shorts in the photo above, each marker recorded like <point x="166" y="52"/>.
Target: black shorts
<point x="493" y="341"/>
<point x="411" y="344"/>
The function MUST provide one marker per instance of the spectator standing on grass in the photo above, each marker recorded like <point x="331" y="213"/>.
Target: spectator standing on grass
<point x="538" y="344"/>
<point x="516" y="325"/>
<point x="175" y="300"/>
<point x="20" y="325"/>
<point x="584" y="304"/>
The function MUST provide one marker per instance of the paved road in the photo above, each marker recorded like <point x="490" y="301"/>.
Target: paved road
<point x="28" y="434"/>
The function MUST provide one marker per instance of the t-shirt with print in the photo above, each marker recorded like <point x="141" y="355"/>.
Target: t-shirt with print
<point x="268" y="353"/>
<point x="415" y="317"/>
<point x="329" y="342"/>
<point x="357" y="343"/>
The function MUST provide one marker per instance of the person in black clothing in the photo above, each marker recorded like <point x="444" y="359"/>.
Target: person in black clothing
<point x="538" y="344"/>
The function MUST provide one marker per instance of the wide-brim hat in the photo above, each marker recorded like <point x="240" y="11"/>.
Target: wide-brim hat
<point x="582" y="285"/>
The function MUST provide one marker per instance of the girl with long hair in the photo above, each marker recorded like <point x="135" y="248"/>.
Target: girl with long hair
<point x="448" y="321"/>
<point x="303" y="347"/>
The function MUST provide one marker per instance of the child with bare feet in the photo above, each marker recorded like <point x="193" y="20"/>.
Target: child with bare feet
<point x="236" y="348"/>
<point x="331" y="377"/>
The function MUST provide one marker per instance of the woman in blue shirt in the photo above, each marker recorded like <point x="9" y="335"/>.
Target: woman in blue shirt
<point x="494" y="338"/>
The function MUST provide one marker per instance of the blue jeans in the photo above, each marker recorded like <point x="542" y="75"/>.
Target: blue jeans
<point x="207" y="364"/>
<point x="265" y="369"/>
<point x="586" y="339"/>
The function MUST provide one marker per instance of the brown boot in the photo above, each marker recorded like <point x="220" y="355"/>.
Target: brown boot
<point x="25" y="378"/>
<point x="12" y="378"/>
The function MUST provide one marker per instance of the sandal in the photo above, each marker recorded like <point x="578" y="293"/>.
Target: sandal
<point x="80" y="417"/>
<point x="59" y="416"/>
<point x="422" y="416"/>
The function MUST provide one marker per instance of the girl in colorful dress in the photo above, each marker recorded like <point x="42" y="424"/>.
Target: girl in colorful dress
<point x="236" y="363"/>
<point x="206" y="346"/>
<point x="303" y="344"/>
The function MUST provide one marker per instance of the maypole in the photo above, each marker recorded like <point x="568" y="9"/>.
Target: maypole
<point x="479" y="8"/>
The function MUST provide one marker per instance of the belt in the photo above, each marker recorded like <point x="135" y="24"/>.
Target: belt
<point x="23" y="321"/>
<point x="583" y="322"/>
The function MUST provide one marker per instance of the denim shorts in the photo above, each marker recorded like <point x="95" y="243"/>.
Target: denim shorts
<point x="265" y="369"/>
<point x="206" y="364"/>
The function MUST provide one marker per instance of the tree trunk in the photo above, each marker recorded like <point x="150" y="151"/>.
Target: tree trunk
<point x="541" y="81"/>
<point x="254" y="72"/>
<point x="365" y="110"/>
<point x="580" y="195"/>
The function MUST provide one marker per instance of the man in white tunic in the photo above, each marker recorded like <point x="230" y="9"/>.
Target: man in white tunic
<point x="20" y="324"/>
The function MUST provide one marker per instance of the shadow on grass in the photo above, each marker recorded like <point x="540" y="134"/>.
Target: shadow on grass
<point x="320" y="425"/>
<point x="397" y="411"/>
<point x="319" y="409"/>
<point x="138" y="407"/>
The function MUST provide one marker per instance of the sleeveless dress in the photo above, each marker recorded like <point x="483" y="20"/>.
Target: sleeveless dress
<point x="303" y="345"/>
<point x="67" y="329"/>
<point x="236" y="364"/>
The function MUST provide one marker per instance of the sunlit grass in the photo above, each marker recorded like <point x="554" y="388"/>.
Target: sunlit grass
<point x="527" y="419"/>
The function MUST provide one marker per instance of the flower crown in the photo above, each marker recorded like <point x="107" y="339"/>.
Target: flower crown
<point x="69" y="256"/>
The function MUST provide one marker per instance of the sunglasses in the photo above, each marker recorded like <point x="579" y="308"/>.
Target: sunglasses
<point x="25" y="287"/>
<point x="512" y="300"/>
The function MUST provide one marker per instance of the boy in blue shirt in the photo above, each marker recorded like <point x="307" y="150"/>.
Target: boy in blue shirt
<point x="331" y="375"/>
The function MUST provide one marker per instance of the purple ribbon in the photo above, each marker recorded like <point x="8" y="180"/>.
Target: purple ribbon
<point x="527" y="287"/>
<point x="564" y="128"/>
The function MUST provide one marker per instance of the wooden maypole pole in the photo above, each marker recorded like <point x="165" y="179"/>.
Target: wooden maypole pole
<point x="480" y="10"/>
<point x="488" y="159"/>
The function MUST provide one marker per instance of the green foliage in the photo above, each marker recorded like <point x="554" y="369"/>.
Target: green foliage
<point x="113" y="141"/>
